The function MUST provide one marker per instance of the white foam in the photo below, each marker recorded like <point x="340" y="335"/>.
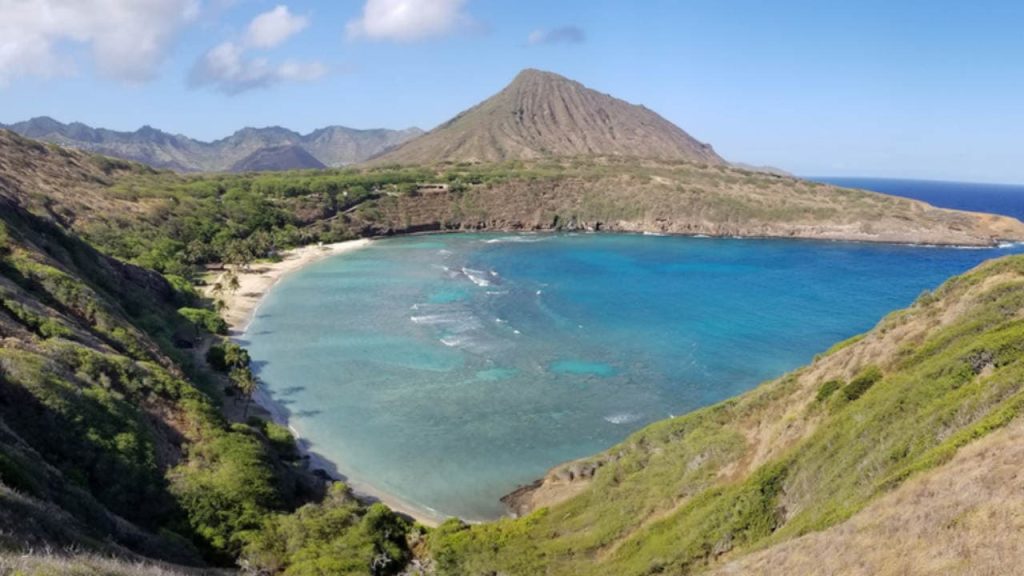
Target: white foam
<point x="452" y="341"/>
<point x="505" y="239"/>
<point x="623" y="418"/>
<point x="455" y="322"/>
<point x="476" y="277"/>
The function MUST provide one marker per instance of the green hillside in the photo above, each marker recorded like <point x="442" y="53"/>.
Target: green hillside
<point x="112" y="442"/>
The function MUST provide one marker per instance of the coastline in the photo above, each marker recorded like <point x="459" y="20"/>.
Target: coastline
<point x="257" y="281"/>
<point x="239" y="309"/>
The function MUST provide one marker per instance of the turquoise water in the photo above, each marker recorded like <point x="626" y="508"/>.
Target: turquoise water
<point x="448" y="370"/>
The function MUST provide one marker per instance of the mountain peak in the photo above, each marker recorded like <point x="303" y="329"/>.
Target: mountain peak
<point x="535" y="74"/>
<point x="543" y="114"/>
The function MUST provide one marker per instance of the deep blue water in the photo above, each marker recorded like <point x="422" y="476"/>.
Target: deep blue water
<point x="996" y="198"/>
<point x="447" y="370"/>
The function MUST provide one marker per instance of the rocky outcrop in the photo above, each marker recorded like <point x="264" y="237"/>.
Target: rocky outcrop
<point x="558" y="485"/>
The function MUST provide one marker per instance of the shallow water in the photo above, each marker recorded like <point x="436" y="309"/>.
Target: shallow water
<point x="448" y="370"/>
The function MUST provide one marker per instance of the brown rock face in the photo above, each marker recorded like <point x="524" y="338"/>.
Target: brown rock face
<point x="541" y="114"/>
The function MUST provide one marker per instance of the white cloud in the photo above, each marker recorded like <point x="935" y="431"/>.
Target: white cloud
<point x="226" y="68"/>
<point x="409" y="20"/>
<point x="129" y="38"/>
<point x="562" y="35"/>
<point x="274" y="27"/>
<point x="229" y="68"/>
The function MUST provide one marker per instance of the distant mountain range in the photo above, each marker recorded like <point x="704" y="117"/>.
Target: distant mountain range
<point x="541" y="114"/>
<point x="272" y="148"/>
<point x="538" y="115"/>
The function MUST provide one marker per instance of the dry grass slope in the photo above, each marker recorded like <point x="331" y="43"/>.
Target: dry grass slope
<point x="72" y="564"/>
<point x="628" y="195"/>
<point x="965" y="518"/>
<point x="541" y="114"/>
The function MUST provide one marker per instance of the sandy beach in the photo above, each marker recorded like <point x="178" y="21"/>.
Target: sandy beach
<point x="238" y="311"/>
<point x="255" y="282"/>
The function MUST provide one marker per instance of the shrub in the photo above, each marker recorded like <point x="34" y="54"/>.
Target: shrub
<point x="859" y="385"/>
<point x="185" y="292"/>
<point x="828" y="388"/>
<point x="279" y="437"/>
<point x="227" y="356"/>
<point x="228" y="488"/>
<point x="215" y="358"/>
<point x="337" y="536"/>
<point x="13" y="475"/>
<point x="203" y="319"/>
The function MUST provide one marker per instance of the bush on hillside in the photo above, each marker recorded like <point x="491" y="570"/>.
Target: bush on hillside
<point x="859" y="385"/>
<point x="227" y="356"/>
<point x="828" y="388"/>
<point x="203" y="319"/>
<point x="337" y="536"/>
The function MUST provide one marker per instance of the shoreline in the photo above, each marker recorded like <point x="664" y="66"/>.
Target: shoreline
<point x="255" y="283"/>
<point x="239" y="310"/>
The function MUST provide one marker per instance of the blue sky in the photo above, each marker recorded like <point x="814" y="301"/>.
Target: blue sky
<point x="902" y="89"/>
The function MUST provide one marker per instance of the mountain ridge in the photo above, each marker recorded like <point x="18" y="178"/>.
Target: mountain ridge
<point x="542" y="114"/>
<point x="333" y="146"/>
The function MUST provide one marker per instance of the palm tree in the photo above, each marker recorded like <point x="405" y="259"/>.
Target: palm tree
<point x="232" y="281"/>
<point x="236" y="356"/>
<point x="246" y="384"/>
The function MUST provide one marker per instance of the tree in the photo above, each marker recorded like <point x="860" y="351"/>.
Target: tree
<point x="236" y="356"/>
<point x="196" y="252"/>
<point x="246" y="385"/>
<point x="231" y="281"/>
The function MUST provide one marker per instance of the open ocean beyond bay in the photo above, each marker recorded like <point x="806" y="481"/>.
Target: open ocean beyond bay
<point x="448" y="370"/>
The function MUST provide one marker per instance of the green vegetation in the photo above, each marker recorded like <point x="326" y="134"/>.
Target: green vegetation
<point x="227" y="356"/>
<point x="235" y="218"/>
<point x="828" y="388"/>
<point x="176" y="224"/>
<point x="205" y="320"/>
<point x="859" y="385"/>
<point x="99" y="415"/>
<point x="337" y="536"/>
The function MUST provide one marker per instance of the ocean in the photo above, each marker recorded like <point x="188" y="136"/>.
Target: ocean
<point x="1003" y="199"/>
<point x="447" y="370"/>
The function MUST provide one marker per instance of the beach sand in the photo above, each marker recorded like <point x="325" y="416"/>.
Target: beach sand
<point x="239" y="308"/>
<point x="255" y="282"/>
